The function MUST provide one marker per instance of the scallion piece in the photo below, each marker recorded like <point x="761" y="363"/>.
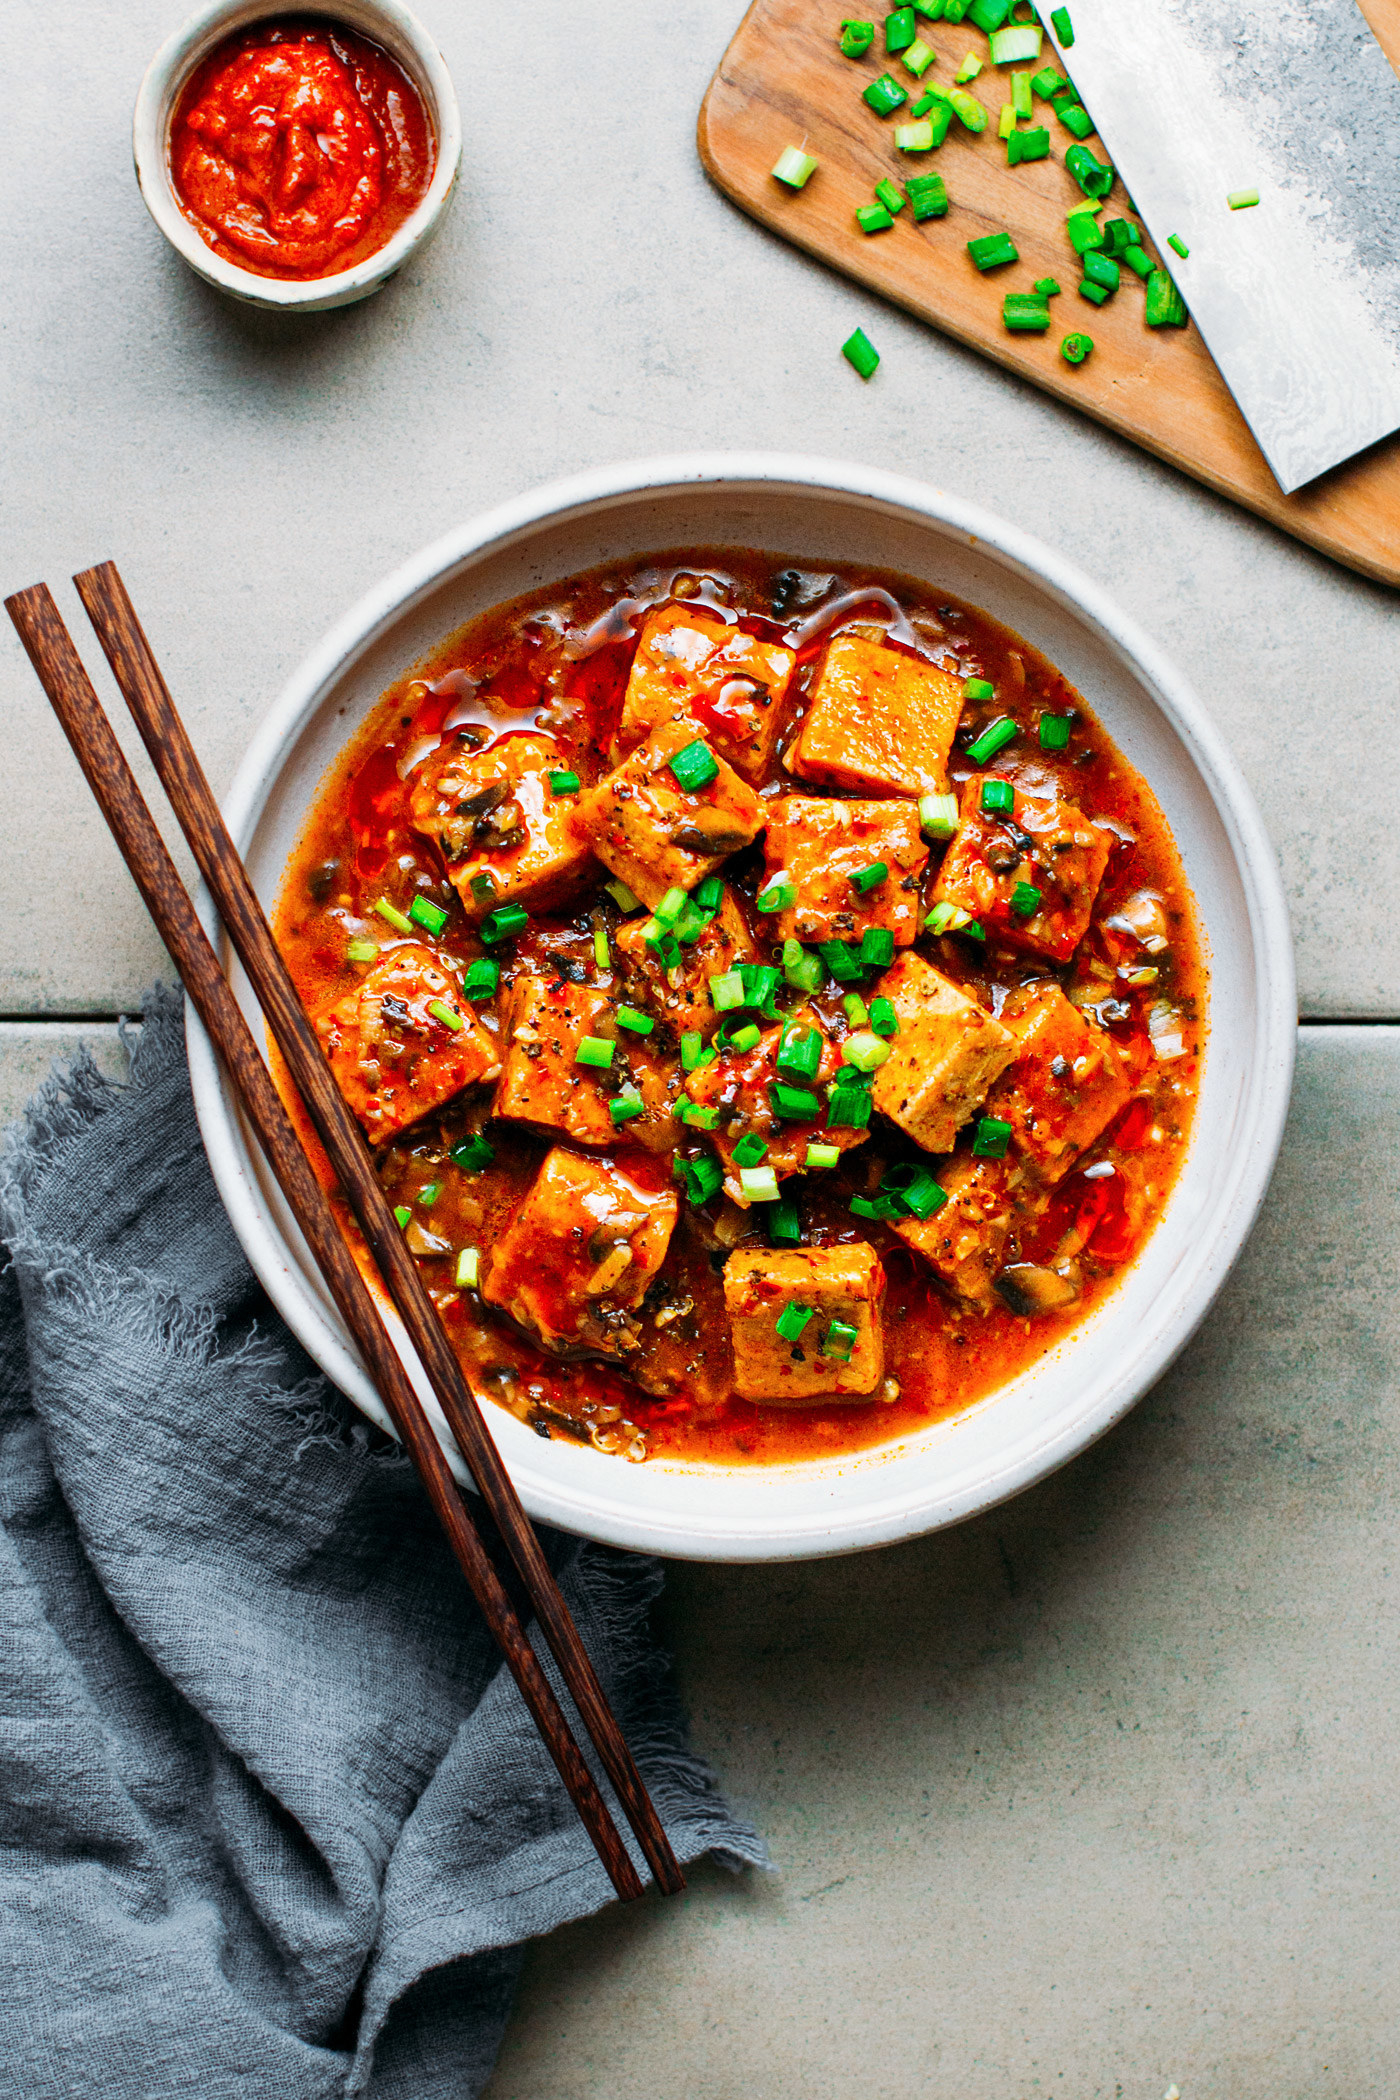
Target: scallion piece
<point x="794" y="1104"/>
<point x="793" y="1320"/>
<point x="1241" y="200"/>
<point x="842" y="963"/>
<point x="694" y="767"/>
<point x="1021" y="98"/>
<point x="914" y="138"/>
<point x="954" y="10"/>
<point x="1063" y="28"/>
<point x="992" y="250"/>
<point x="884" y="96"/>
<point x="504" y="923"/>
<point x="1084" y="230"/>
<point x="1014" y="44"/>
<point x="428" y="915"/>
<point x="1027" y="145"/>
<point x="602" y="953"/>
<point x="857" y="1012"/>
<point x="448" y="1015"/>
<point x="1075" y="348"/>
<point x="822" y="1156"/>
<point x="870" y="877"/>
<point x="988" y="15"/>
<point x="473" y="1154"/>
<point x="746" y="1038"/>
<point x="951" y="918"/>
<point x="1054" y="732"/>
<point x="883" y="1018"/>
<point x="468" y="1269"/>
<point x="639" y="1023"/>
<point x="914" y="1191"/>
<point x="799" y="1054"/>
<point x="858" y="350"/>
<point x="759" y="1184"/>
<point x="1102" y="269"/>
<point x="928" y="194"/>
<point x="865" y="1050"/>
<point x="483" y="978"/>
<point x="839" y="1341"/>
<point x="429" y="1194"/>
<point x="1175" y="241"/>
<point x="1138" y="261"/>
<point x="848" y="1108"/>
<point x="483" y="886"/>
<point x="1025" y="313"/>
<point x="670" y="908"/>
<point x="875" y="1208"/>
<point x="938" y="816"/>
<point x="792" y="168"/>
<point x="1048" y="287"/>
<point x="402" y="1214"/>
<point x="1047" y="83"/>
<point x="801" y="969"/>
<point x="968" y="110"/>
<point x="900" y="30"/>
<point x="1165" y="306"/>
<point x="760" y="987"/>
<point x="784" y="1222"/>
<point x="1119" y="234"/>
<point x="935" y="104"/>
<point x="998" y="798"/>
<point x="749" y="1151"/>
<point x="856" y="38"/>
<point x="978" y="689"/>
<point x="621" y="896"/>
<point x="873" y="218"/>
<point x="968" y="70"/>
<point x="931" y="10"/>
<point x="399" y="920"/>
<point x="876" y="951"/>
<point x="727" y="992"/>
<point x="564" y="782"/>
<point x="1006" y="122"/>
<point x="595" y="1051"/>
<point x="623" y="1107"/>
<point x="995" y="737"/>
<point x="918" y="58"/>
<point x="889" y="196"/>
<point x="700" y="1116"/>
<point x="1096" y="294"/>
<point x="1025" y="900"/>
<point x="703" y="1177"/>
<point x="1076" y="119"/>
<point x="693" y="1052"/>
<point x="361" y="951"/>
<point x="1095" y="177"/>
<point x="991" y="1138"/>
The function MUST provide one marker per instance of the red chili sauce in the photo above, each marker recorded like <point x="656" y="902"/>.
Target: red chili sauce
<point x="464" y="1162"/>
<point x="298" y="149"/>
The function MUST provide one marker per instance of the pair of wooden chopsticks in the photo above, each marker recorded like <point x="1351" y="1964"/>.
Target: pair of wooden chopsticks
<point x="61" y="673"/>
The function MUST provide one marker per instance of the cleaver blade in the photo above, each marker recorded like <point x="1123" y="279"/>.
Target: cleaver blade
<point x="1298" y="297"/>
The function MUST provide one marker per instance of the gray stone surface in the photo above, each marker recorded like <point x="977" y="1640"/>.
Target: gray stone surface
<point x="590" y="298"/>
<point x="1094" y="1795"/>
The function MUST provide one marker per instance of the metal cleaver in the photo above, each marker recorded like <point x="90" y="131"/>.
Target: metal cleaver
<point x="1297" y="297"/>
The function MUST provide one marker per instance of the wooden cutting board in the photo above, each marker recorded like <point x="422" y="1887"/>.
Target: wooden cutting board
<point x="784" y="82"/>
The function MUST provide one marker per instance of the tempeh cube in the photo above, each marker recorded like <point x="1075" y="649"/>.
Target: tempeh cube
<point x="690" y="661"/>
<point x="945" y="1057"/>
<point x="1065" y="1084"/>
<point x="393" y="1058"/>
<point x="655" y="834"/>
<point x="834" y="1284"/>
<point x="963" y="1241"/>
<point x="880" y="721"/>
<point x="505" y="835"/>
<point x="1028" y="875"/>
<point x="545" y="1021"/>
<point x="818" y="846"/>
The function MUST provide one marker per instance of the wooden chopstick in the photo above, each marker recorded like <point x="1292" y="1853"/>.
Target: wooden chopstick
<point x="61" y="673"/>
<point x="137" y="673"/>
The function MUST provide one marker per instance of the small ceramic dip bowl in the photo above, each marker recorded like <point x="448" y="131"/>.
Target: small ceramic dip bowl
<point x="384" y="23"/>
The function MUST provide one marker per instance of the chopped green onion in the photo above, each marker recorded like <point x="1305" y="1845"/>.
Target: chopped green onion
<point x="968" y="70"/>
<point x="1021" y="100"/>
<point x="727" y="992"/>
<point x="875" y="1207"/>
<point x="703" y="1177"/>
<point x="1165" y="307"/>
<point x="988" y="15"/>
<point x="428" y="915"/>
<point x="931" y="10"/>
<point x="1101" y="269"/>
<point x="402" y="1214"/>
<point x="1075" y="348"/>
<point x="473" y="1154"/>
<point x="429" y="1194"/>
<point x="992" y="250"/>
<point x="998" y="797"/>
<point x="483" y="886"/>
<point x="779" y="896"/>
<point x="361" y="951"/>
<point x="709" y="894"/>
<point x="876" y="950"/>
<point x="954" y="10"/>
<point x="900" y="30"/>
<point x="870" y="877"/>
<point x="1048" y="287"/>
<point x="978" y="689"/>
<point x="449" y="1017"/>
<point x="1014" y="44"/>
<point x="504" y="924"/>
<point x="595" y="1050"/>
<point x="1241" y="200"/>
<point x="841" y="963"/>
<point x="698" y="1115"/>
<point x="468" y="1269"/>
<point x="848" y="1108"/>
<point x="670" y="908"/>
<point x="794" y="1104"/>
<point x="1175" y="241"/>
<point x="938" y="816"/>
<point x="914" y="138"/>
<point x="1027" y="145"/>
<point x="995" y="737"/>
<point x="1025" y="313"/>
<point x="639" y="1023"/>
<point x="840" y="1340"/>
<point x="857" y="1012"/>
<point x="602" y="953"/>
<point x="1096" y="294"/>
<point x="692" y="1050"/>
<point x="928" y="194"/>
<point x="1084" y="230"/>
<point x="1119" y="234"/>
<point x="784" y="1222"/>
<point x="865" y="1050"/>
<point x="623" y="1107"/>
<point x="883" y="1018"/>
<point x="749" y="1151"/>
<point x="801" y="969"/>
<point x="919" y="57"/>
<point x="856" y="38"/>
<point x="991" y="1138"/>
<point x="483" y="978"/>
<point x="820" y="1156"/>
<point x="759" y="1184"/>
<point x="873" y="218"/>
<point x="694" y="767"/>
<point x="800" y="1053"/>
<point x="621" y="896"/>
<point x="746" y="1038"/>
<point x="1138" y="261"/>
<point x="1076" y="119"/>
<point x="564" y="782"/>
<point x="1006" y="123"/>
<point x="664" y="946"/>
<point x="968" y="110"/>
<point x="760" y="987"/>
<point x="1054" y="732"/>
<point x="951" y="918"/>
<point x="1063" y="27"/>
<point x="884" y="96"/>
<point x="1048" y="82"/>
<point x="1025" y="900"/>
<point x="858" y="350"/>
<point x="1095" y="177"/>
<point x="396" y="918"/>
<point x="889" y="196"/>
<point x="793" y="1320"/>
<point x="934" y="104"/>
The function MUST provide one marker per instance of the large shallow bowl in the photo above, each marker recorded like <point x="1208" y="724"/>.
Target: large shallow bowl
<point x="823" y="512"/>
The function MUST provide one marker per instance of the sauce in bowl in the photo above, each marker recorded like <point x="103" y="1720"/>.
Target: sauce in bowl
<point x="298" y="148"/>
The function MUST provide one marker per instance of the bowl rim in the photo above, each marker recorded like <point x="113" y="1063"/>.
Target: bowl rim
<point x="162" y="83"/>
<point x="910" y="1511"/>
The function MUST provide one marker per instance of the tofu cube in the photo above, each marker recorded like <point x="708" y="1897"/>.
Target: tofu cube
<point x="656" y="835"/>
<point x="392" y="1058"/>
<point x="540" y="1083"/>
<point x="505" y="836"/>
<point x="681" y="997"/>
<point x="691" y="662"/>
<point x="1064" y="1086"/>
<point x="964" y="1241"/>
<point x="945" y="1057"/>
<point x="573" y="1264"/>
<point x="844" y="1284"/>
<point x="818" y="846"/>
<point x="1040" y="844"/>
<point x="741" y="1088"/>
<point x="879" y="721"/>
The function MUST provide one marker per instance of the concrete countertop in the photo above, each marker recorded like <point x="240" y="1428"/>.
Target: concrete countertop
<point x="1089" y="1797"/>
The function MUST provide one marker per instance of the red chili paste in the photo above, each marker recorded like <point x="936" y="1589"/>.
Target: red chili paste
<point x="298" y="149"/>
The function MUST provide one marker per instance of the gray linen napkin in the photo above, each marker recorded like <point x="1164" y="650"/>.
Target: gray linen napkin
<point x="274" y="1818"/>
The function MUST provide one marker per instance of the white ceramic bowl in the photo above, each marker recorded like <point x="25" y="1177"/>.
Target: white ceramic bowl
<point x="822" y="512"/>
<point x="403" y="36"/>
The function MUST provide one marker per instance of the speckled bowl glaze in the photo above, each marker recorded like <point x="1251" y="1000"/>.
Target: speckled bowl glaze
<point x="821" y="512"/>
<point x="403" y="36"/>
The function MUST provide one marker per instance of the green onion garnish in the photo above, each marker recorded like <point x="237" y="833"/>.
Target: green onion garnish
<point x="884" y="96"/>
<point x="951" y="918"/>
<point x="449" y="1017"/>
<point x="900" y="30"/>
<point x="623" y="1107"/>
<point x="889" y="196"/>
<point x="857" y="1012"/>
<point x="1027" y="145"/>
<point x="954" y="10"/>
<point x="396" y="918"/>
<point x="361" y="951"/>
<point x="428" y="915"/>
<point x="473" y="1154"/>
<point x="703" y="1177"/>
<point x="1025" y="900"/>
<point x="1063" y="27"/>
<point x="595" y="1050"/>
<point x="402" y="1214"/>
<point x="1048" y="287"/>
<point x="699" y="1117"/>
<point x="914" y="1190"/>
<point x="801" y="969"/>
<point x="1175" y="241"/>
<point x="1119" y="234"/>
<point x="841" y="963"/>
<point x="1241" y="200"/>
<point x="934" y="104"/>
<point x="1102" y="270"/>
<point x="938" y="816"/>
<point x="914" y="138"/>
<point x="1095" y="177"/>
<point x="931" y="10"/>
<point x="483" y="886"/>
<point x="848" y="1108"/>
<point x="840" y="1340"/>
<point x="1075" y="118"/>
<point x="883" y="1018"/>
<point x="1138" y="260"/>
<point x="1025" y="313"/>
<point x="873" y="218"/>
<point x="483" y="978"/>
<point x="856" y="38"/>
<point x="1096" y="294"/>
<point x="727" y="992"/>
<point x="792" y="168"/>
<point x="1165" y="307"/>
<point x="988" y="15"/>
<point x="1054" y="732"/>
<point x="429" y="1194"/>
<point x="874" y="1207"/>
<point x="870" y="877"/>
<point x="1014" y="44"/>
<point x="1021" y="99"/>
<point x="694" y="767"/>
<point x="820" y="1156"/>
<point x="564" y="782"/>
<point x="468" y="1269"/>
<point x="793" y="1319"/>
<point x="995" y="737"/>
<point x="918" y="58"/>
<point x="1048" y="82"/>
<point x="1075" y="348"/>
<point x="968" y="70"/>
<point x="991" y="1138"/>
<point x="968" y="109"/>
<point x="759" y="1184"/>
<point x="928" y="194"/>
<point x="749" y="1151"/>
<point x="670" y="908"/>
<point x="998" y="797"/>
<point x="639" y="1023"/>
<point x="876" y="950"/>
<point x="602" y="953"/>
<point x="800" y="1053"/>
<point x="504" y="923"/>
<point x="795" y="1104"/>
<point x="1006" y="123"/>
<point x="858" y="350"/>
<point x="978" y="689"/>
<point x="865" y="1050"/>
<point x="1084" y="230"/>
<point x="692" y="1050"/>
<point x="621" y="896"/>
<point x="784" y="1222"/>
<point x="745" y="1038"/>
